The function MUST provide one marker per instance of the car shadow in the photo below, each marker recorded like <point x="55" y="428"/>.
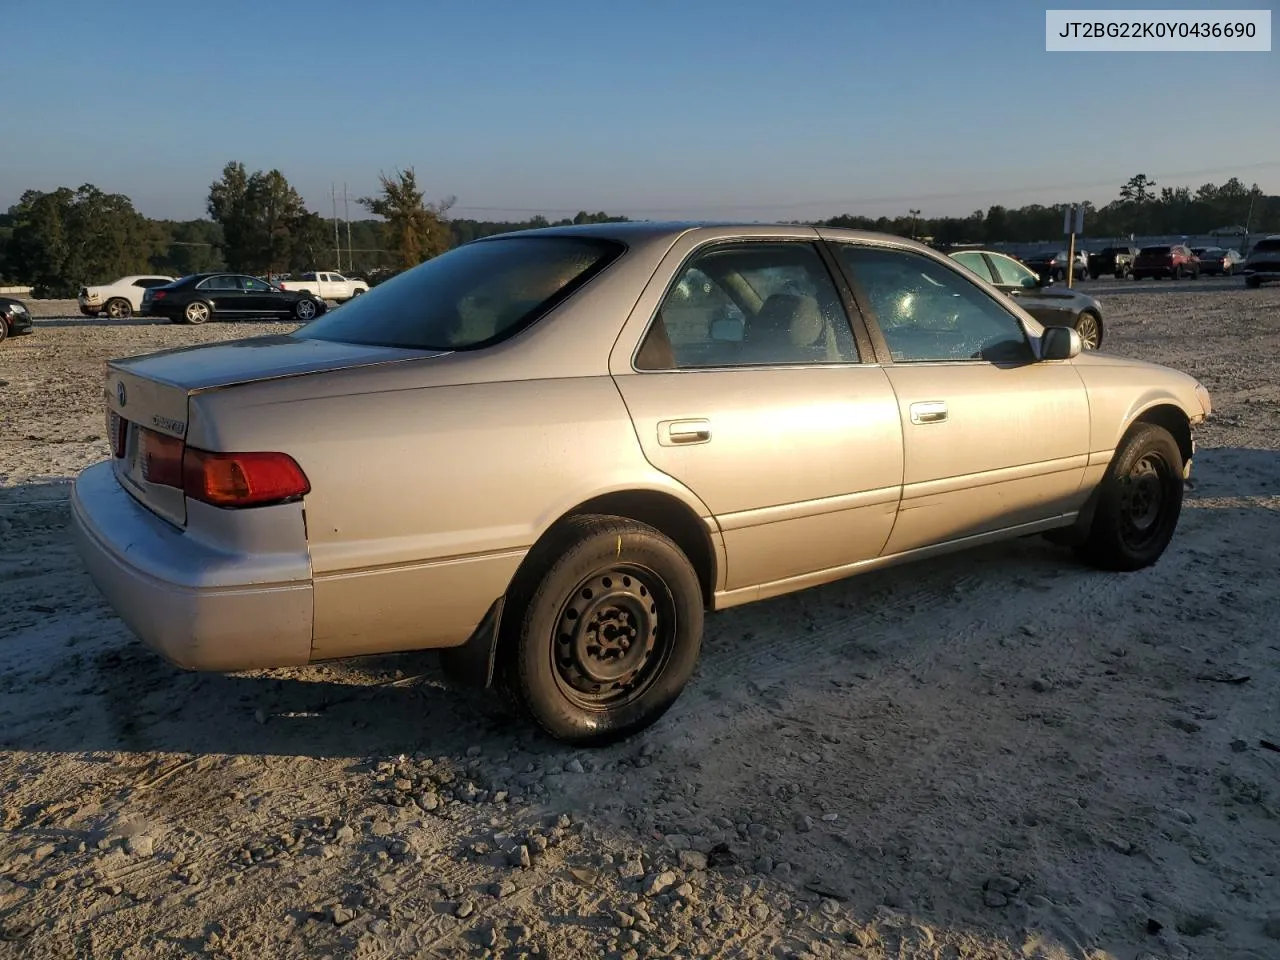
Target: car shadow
<point x="67" y="322"/>
<point x="111" y="693"/>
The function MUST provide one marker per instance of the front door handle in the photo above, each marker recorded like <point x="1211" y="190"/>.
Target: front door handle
<point x="929" y="411"/>
<point x="679" y="432"/>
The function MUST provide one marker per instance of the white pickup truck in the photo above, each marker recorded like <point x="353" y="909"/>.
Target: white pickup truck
<point x="326" y="286"/>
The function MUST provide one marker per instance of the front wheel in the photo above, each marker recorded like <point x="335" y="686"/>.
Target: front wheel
<point x="604" y="631"/>
<point x="1140" y="500"/>
<point x="197" y="311"/>
<point x="1252" y="282"/>
<point x="305" y="310"/>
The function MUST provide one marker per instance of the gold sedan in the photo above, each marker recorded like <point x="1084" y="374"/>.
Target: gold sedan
<point x="548" y="454"/>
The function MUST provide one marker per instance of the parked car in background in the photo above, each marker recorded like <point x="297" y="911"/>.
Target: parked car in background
<point x="326" y="286"/>
<point x="1263" y="262"/>
<point x="15" y="318"/>
<point x="1052" y="305"/>
<point x="1053" y="266"/>
<point x="1164" y="260"/>
<point x="1117" y="261"/>
<point x="1217" y="261"/>
<point x="227" y="296"/>
<point x="549" y="453"/>
<point x="121" y="298"/>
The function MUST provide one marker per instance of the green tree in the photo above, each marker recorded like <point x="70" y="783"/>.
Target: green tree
<point x="265" y="225"/>
<point x="414" y="230"/>
<point x="65" y="238"/>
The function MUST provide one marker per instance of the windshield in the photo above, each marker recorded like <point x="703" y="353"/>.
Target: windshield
<point x="473" y="296"/>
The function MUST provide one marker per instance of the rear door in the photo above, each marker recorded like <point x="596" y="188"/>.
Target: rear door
<point x="993" y="438"/>
<point x="225" y="293"/>
<point x="745" y="382"/>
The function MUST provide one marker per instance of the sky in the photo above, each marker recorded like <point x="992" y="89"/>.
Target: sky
<point x="722" y="109"/>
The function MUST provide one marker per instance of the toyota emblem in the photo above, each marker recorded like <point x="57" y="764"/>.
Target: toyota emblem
<point x="120" y="392"/>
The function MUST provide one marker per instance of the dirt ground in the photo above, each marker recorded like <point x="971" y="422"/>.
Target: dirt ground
<point x="1001" y="754"/>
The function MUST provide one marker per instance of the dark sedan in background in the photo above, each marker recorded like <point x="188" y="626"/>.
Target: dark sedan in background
<point x="15" y="318"/>
<point x="227" y="296"/>
<point x="1053" y="306"/>
<point x="1217" y="261"/>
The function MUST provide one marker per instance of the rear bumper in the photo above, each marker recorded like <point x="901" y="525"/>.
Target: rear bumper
<point x="194" y="605"/>
<point x="18" y="324"/>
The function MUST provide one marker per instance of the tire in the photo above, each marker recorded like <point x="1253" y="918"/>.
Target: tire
<point x="1136" y="275"/>
<point x="1140" y="500"/>
<point x="197" y="312"/>
<point x="118" y="308"/>
<point x="591" y="568"/>
<point x="304" y="311"/>
<point x="4" y="330"/>
<point x="1089" y="326"/>
<point x="356" y="293"/>
<point x="1175" y="274"/>
<point x="1252" y="282"/>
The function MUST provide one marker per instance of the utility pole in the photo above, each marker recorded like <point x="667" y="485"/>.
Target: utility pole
<point x="914" y="214"/>
<point x="337" y="243"/>
<point x="346" y="213"/>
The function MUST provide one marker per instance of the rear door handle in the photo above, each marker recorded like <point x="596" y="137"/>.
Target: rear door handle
<point x="680" y="432"/>
<point x="929" y="411"/>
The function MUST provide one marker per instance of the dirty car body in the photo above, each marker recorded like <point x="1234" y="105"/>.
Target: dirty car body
<point x="547" y="454"/>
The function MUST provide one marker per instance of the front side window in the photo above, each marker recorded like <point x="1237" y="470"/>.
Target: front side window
<point x="472" y="297"/>
<point x="749" y="303"/>
<point x="975" y="262"/>
<point x="928" y="312"/>
<point x="1011" y="273"/>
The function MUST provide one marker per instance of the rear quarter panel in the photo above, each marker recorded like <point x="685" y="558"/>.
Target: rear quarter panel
<point x="428" y="490"/>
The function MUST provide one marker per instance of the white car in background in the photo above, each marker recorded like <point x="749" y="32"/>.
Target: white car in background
<point x="326" y="286"/>
<point x="120" y="299"/>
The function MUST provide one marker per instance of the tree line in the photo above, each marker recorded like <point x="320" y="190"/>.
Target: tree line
<point x="257" y="223"/>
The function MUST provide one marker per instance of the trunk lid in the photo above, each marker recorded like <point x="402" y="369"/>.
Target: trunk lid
<point x="146" y="401"/>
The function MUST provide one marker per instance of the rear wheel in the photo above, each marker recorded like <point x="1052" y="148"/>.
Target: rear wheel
<point x="1140" y="500"/>
<point x="605" y="629"/>
<point x="1089" y="326"/>
<point x="4" y="329"/>
<point x="119" y="309"/>
<point x="197" y="311"/>
<point x="1252" y="282"/>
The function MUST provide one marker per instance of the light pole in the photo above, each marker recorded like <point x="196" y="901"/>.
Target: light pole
<point x="914" y="214"/>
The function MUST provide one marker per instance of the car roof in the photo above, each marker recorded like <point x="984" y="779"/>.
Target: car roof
<point x="647" y="231"/>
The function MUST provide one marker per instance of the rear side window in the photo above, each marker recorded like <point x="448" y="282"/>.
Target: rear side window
<point x="472" y="297"/>
<point x="1268" y="244"/>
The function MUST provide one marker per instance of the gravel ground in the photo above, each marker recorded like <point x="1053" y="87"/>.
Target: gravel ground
<point x="996" y="755"/>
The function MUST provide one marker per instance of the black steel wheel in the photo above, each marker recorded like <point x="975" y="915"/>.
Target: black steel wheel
<point x="612" y="637"/>
<point x="1139" y="501"/>
<point x="602" y="630"/>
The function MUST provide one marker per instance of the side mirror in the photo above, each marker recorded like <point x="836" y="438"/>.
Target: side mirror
<point x="727" y="331"/>
<point x="1034" y="283"/>
<point x="1060" y="343"/>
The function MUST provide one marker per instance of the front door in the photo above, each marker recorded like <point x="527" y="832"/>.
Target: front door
<point x="994" y="439"/>
<point x="260" y="298"/>
<point x="749" y="389"/>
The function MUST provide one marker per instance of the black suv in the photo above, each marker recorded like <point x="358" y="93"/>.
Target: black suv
<point x="1117" y="261"/>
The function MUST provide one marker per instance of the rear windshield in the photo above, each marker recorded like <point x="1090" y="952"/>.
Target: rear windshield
<point x="1268" y="244"/>
<point x="1149" y="251"/>
<point x="473" y="296"/>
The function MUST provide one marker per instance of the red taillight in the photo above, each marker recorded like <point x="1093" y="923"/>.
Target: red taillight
<point x="158" y="295"/>
<point x="161" y="458"/>
<point x="117" y="434"/>
<point x="242" y="479"/>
